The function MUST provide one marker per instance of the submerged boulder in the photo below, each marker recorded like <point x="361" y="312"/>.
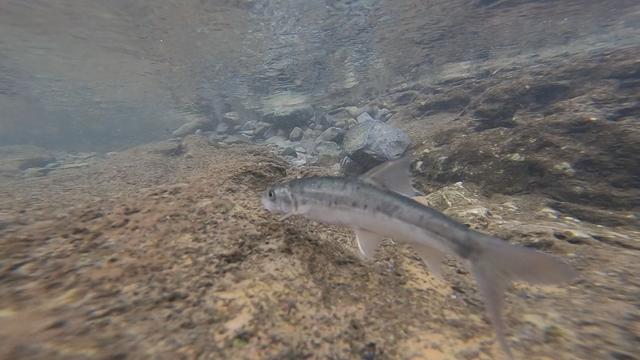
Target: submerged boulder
<point x="373" y="142"/>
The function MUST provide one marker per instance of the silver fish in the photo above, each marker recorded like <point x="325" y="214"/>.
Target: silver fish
<point x="378" y="205"/>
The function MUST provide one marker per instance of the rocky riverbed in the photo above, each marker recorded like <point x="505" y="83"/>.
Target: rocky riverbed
<point x="149" y="254"/>
<point x="164" y="251"/>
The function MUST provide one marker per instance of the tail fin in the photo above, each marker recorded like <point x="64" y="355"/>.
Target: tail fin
<point x="501" y="263"/>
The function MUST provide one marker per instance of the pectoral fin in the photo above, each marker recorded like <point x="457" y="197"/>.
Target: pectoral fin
<point x="367" y="242"/>
<point x="432" y="258"/>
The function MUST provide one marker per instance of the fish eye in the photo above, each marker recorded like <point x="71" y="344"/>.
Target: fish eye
<point x="271" y="194"/>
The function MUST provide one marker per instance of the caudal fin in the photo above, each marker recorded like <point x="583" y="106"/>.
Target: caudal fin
<point x="500" y="263"/>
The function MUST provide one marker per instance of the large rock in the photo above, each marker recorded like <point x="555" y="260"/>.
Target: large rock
<point x="373" y="142"/>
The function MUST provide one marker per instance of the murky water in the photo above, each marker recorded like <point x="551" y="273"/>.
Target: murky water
<point x="136" y="139"/>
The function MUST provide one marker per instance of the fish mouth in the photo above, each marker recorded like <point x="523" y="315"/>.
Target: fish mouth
<point x="269" y="205"/>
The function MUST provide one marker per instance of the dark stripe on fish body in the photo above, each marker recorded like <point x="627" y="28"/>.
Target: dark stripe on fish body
<point x="339" y="192"/>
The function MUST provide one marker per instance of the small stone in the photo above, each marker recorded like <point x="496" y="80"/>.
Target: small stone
<point x="564" y="168"/>
<point x="166" y="148"/>
<point x="406" y="98"/>
<point x="288" y="151"/>
<point x="232" y="139"/>
<point x="516" y="157"/>
<point x="222" y="128"/>
<point x="249" y="125"/>
<point x="261" y="127"/>
<point x="329" y="153"/>
<point x="384" y="114"/>
<point x="572" y="236"/>
<point x="296" y="134"/>
<point x="232" y="118"/>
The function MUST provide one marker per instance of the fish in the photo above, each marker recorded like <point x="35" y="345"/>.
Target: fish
<point x="379" y="204"/>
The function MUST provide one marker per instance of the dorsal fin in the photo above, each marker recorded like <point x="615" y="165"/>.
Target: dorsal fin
<point x="394" y="175"/>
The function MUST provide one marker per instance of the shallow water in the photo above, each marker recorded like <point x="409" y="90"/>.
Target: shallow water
<point x="136" y="139"/>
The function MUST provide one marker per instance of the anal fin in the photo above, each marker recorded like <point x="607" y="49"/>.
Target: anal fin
<point x="367" y="242"/>
<point x="432" y="257"/>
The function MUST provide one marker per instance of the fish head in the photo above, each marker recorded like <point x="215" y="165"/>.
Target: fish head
<point x="278" y="199"/>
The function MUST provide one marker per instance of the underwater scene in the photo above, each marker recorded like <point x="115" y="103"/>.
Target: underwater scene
<point x="320" y="179"/>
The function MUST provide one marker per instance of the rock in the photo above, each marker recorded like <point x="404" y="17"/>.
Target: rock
<point x="192" y="126"/>
<point x="279" y="141"/>
<point x="331" y="134"/>
<point x="374" y="142"/>
<point x="261" y="129"/>
<point x="371" y="109"/>
<point x="318" y="126"/>
<point x="340" y="123"/>
<point x="270" y="131"/>
<point x="454" y="195"/>
<point x="16" y="158"/>
<point x="406" y="98"/>
<point x="232" y="118"/>
<point x="167" y="148"/>
<point x="353" y="111"/>
<point x="351" y="123"/>
<point x="329" y="153"/>
<point x="563" y="168"/>
<point x="384" y="114"/>
<point x="34" y="172"/>
<point x="296" y="134"/>
<point x="214" y="139"/>
<point x="222" y="128"/>
<point x="364" y="117"/>
<point x="289" y="118"/>
<point x="350" y="167"/>
<point x="310" y="135"/>
<point x="288" y="151"/>
<point x="234" y="139"/>
<point x="249" y="125"/>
